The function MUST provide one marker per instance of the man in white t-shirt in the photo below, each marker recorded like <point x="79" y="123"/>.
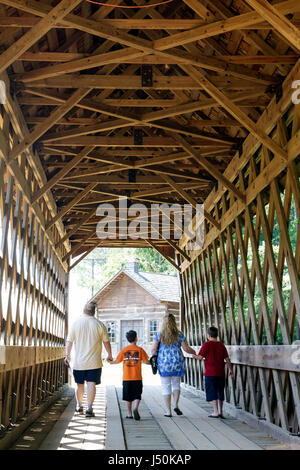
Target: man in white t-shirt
<point x="87" y="334"/>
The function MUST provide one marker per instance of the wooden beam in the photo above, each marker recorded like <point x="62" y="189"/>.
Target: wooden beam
<point x="206" y="62"/>
<point x="84" y="219"/>
<point x="236" y="112"/>
<point x="199" y="124"/>
<point x="63" y="172"/>
<point x="189" y="199"/>
<point x="176" y="248"/>
<point x="210" y="168"/>
<point x="188" y="107"/>
<point x="220" y="27"/>
<point x="85" y="130"/>
<point x="99" y="141"/>
<point x="42" y="128"/>
<point x="127" y="24"/>
<point x="68" y="79"/>
<point x="279" y="22"/>
<point x="156" y="60"/>
<point x="162" y="253"/>
<point x="86" y="63"/>
<point x="36" y="32"/>
<point x="84" y="255"/>
<point x="71" y="204"/>
<point x="76" y="247"/>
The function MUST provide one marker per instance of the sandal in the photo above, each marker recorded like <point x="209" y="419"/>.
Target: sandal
<point x="136" y="415"/>
<point x="129" y="417"/>
<point x="168" y="416"/>
<point x="213" y="416"/>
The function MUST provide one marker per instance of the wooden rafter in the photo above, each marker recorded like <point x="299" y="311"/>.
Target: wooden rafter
<point x="277" y="20"/>
<point x="36" y="32"/>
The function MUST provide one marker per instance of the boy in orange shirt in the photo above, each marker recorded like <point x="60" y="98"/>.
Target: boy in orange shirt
<point x="132" y="357"/>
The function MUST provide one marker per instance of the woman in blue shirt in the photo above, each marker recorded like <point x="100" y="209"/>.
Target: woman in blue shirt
<point x="170" y="361"/>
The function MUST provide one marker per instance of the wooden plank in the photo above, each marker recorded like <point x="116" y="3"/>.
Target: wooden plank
<point x="277" y="20"/>
<point x="71" y="204"/>
<point x="55" y="179"/>
<point x="189" y="199"/>
<point x="209" y="167"/>
<point x="42" y="128"/>
<point x="281" y="357"/>
<point x="114" y="430"/>
<point x="153" y="245"/>
<point x="36" y="32"/>
<point x="170" y="429"/>
<point x="236" y="112"/>
<point x="219" y="27"/>
<point x="218" y="426"/>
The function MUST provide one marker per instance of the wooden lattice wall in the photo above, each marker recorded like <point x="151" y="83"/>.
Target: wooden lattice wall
<point x="33" y="284"/>
<point x="245" y="281"/>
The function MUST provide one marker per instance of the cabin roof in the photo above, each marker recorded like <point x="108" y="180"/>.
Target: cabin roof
<point x="164" y="287"/>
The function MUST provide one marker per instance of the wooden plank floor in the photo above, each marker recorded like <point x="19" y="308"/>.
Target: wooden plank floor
<point x="195" y="429"/>
<point x="76" y="432"/>
<point x="192" y="431"/>
<point x="110" y="430"/>
<point x="143" y="434"/>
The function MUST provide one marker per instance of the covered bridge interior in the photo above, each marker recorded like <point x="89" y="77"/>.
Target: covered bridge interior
<point x="182" y="102"/>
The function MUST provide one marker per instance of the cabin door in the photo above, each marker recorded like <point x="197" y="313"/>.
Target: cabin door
<point x="136" y="325"/>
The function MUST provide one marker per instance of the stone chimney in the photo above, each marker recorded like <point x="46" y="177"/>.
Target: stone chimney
<point x="132" y="265"/>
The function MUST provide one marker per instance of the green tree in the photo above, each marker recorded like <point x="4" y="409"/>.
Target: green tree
<point x="103" y="263"/>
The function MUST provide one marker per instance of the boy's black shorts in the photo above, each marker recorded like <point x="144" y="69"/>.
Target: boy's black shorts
<point x="214" y="388"/>
<point x="132" y="390"/>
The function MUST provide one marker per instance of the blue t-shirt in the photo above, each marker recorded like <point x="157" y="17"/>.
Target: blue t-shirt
<point x="170" y="361"/>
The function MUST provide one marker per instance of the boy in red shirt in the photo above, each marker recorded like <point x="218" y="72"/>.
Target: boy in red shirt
<point x="214" y="352"/>
<point x="132" y="357"/>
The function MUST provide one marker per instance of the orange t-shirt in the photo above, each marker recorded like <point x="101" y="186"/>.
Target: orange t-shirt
<point x="132" y="357"/>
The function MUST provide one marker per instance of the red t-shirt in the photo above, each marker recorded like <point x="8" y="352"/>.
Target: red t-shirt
<point x="214" y="353"/>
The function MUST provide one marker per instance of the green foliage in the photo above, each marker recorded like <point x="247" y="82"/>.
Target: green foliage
<point x="103" y="263"/>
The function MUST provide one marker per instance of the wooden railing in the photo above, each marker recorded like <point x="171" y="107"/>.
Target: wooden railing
<point x="281" y="357"/>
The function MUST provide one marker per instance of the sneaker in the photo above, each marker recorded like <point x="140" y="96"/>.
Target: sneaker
<point x="79" y="409"/>
<point x="89" y="413"/>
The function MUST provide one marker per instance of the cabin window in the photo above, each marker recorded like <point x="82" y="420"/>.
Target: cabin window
<point x="153" y="328"/>
<point x="111" y="329"/>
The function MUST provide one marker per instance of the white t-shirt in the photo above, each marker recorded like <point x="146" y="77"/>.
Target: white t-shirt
<point x="87" y="334"/>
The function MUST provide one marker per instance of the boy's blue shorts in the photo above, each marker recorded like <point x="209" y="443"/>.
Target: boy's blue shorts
<point x="90" y="375"/>
<point x="214" y="388"/>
